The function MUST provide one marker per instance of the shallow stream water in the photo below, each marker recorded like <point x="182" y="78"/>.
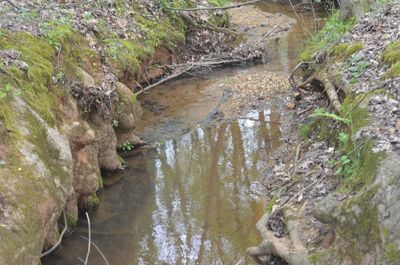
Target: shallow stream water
<point x="195" y="197"/>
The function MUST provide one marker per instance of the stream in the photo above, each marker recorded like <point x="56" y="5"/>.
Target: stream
<point x="195" y="196"/>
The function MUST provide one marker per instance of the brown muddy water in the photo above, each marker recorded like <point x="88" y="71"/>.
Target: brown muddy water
<point x="195" y="196"/>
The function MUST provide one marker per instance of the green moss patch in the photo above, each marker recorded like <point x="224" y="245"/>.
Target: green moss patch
<point x="344" y="50"/>
<point x="392" y="254"/>
<point x="125" y="55"/>
<point x="39" y="55"/>
<point x="391" y="56"/>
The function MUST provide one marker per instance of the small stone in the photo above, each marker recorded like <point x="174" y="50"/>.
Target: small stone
<point x="284" y="199"/>
<point x="290" y="105"/>
<point x="2" y="163"/>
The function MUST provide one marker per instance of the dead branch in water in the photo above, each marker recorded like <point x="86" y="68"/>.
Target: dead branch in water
<point x="214" y="7"/>
<point x="98" y="249"/>
<point x="168" y="78"/>
<point x="89" y="239"/>
<point x="266" y="35"/>
<point x="242" y="55"/>
<point x="59" y="240"/>
<point x="249" y="52"/>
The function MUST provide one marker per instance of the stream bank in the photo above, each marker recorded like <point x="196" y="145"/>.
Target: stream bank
<point x="194" y="197"/>
<point x="334" y="182"/>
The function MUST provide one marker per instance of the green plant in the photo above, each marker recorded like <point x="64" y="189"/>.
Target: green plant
<point x="134" y="98"/>
<point x="71" y="221"/>
<point x="56" y="32"/>
<point x="126" y="146"/>
<point x="356" y="164"/>
<point x="271" y="203"/>
<point x="321" y="112"/>
<point x="8" y="90"/>
<point x="217" y="2"/>
<point x="115" y="123"/>
<point x="357" y="65"/>
<point x="333" y="31"/>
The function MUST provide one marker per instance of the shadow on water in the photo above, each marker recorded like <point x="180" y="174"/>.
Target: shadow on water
<point x="195" y="198"/>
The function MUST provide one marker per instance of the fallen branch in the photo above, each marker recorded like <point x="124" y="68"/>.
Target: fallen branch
<point x="214" y="7"/>
<point x="168" y="78"/>
<point x="59" y="240"/>
<point x="98" y="249"/>
<point x="89" y="239"/>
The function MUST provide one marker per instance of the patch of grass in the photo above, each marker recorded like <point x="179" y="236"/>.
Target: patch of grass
<point x="217" y="2"/>
<point x="271" y="203"/>
<point x="334" y="29"/>
<point x="392" y="254"/>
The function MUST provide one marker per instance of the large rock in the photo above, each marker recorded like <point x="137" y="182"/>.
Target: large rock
<point x="33" y="188"/>
<point x="128" y="110"/>
<point x="367" y="225"/>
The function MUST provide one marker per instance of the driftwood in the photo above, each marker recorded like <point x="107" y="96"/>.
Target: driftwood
<point x="98" y="250"/>
<point x="89" y="240"/>
<point x="214" y="7"/>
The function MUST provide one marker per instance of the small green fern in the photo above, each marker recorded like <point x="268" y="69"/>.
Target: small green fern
<point x="321" y="112"/>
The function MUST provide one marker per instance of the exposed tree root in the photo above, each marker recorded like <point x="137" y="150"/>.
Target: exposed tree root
<point x="330" y="80"/>
<point x="289" y="248"/>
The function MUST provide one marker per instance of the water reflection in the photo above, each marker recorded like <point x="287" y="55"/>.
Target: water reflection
<point x="206" y="195"/>
<point x="192" y="200"/>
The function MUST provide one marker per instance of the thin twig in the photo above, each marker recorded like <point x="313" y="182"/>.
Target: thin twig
<point x="305" y="110"/>
<point x="214" y="7"/>
<point x="11" y="3"/>
<point x="266" y="35"/>
<point x="239" y="262"/>
<point x="303" y="190"/>
<point x="301" y="21"/>
<point x="89" y="240"/>
<point x="98" y="249"/>
<point x="59" y="240"/>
